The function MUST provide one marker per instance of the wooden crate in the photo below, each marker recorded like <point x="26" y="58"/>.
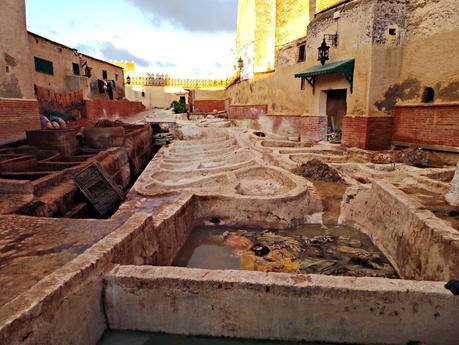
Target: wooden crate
<point x="99" y="189"/>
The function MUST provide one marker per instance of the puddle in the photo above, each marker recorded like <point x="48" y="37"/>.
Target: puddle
<point x="310" y="249"/>
<point x="139" y="338"/>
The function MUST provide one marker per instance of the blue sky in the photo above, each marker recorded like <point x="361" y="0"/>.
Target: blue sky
<point x="183" y="38"/>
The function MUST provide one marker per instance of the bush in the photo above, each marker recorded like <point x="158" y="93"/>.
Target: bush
<point x="178" y="107"/>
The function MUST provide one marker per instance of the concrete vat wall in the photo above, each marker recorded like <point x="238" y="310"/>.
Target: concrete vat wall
<point x="417" y="243"/>
<point x="257" y="305"/>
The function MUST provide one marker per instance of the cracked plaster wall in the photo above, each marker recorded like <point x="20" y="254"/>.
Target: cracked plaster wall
<point x="15" y="68"/>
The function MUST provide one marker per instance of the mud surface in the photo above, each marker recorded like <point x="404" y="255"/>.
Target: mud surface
<point x="139" y="338"/>
<point x="332" y="250"/>
<point x="32" y="248"/>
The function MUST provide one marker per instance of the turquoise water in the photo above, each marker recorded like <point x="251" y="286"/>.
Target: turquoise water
<point x="139" y="338"/>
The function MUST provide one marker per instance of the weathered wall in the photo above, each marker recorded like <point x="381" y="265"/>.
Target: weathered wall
<point x="400" y="47"/>
<point x="63" y="79"/>
<point x="276" y="306"/>
<point x="405" y="231"/>
<point x="17" y="116"/>
<point x="265" y="35"/>
<point x="292" y="19"/>
<point x="15" y="68"/>
<point x="102" y="108"/>
<point x="429" y="48"/>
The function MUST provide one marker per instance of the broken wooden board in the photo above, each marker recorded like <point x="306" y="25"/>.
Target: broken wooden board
<point x="99" y="189"/>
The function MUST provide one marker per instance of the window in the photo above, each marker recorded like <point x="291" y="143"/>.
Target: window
<point x="44" y="66"/>
<point x="116" y="77"/>
<point x="76" y="69"/>
<point x="428" y="95"/>
<point x="392" y="31"/>
<point x="104" y="75"/>
<point x="302" y="53"/>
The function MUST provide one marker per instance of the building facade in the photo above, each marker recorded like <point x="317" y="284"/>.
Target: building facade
<point x="37" y="74"/>
<point x="389" y="62"/>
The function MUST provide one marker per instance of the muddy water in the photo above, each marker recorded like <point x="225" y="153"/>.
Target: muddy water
<point x="138" y="338"/>
<point x="331" y="250"/>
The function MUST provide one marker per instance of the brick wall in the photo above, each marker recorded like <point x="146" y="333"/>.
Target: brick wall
<point x="427" y="124"/>
<point x="208" y="106"/>
<point x="369" y="133"/>
<point x="17" y="116"/>
<point x="97" y="109"/>
<point x="247" y="112"/>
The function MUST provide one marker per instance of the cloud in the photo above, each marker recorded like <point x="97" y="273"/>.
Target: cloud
<point x="196" y="16"/>
<point x="85" y="49"/>
<point x="165" y="65"/>
<point x="111" y="52"/>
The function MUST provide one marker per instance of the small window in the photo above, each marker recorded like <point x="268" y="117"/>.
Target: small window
<point x="76" y="69"/>
<point x="428" y="96"/>
<point x="104" y="75"/>
<point x="393" y="31"/>
<point x="301" y="53"/>
<point x="116" y="77"/>
<point x="44" y="66"/>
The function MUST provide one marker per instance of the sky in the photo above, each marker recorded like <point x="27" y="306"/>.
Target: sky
<point x="182" y="38"/>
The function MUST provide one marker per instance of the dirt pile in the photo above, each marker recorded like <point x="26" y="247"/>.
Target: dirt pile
<point x="318" y="171"/>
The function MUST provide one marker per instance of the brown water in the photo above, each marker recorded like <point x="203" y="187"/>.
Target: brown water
<point x="139" y="338"/>
<point x="331" y="250"/>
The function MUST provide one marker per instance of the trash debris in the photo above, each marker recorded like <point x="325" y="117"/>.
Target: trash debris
<point x="416" y="158"/>
<point x="453" y="286"/>
<point x="295" y="252"/>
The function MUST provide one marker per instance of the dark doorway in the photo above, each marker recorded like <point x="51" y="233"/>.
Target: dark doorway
<point x="183" y="101"/>
<point x="336" y="109"/>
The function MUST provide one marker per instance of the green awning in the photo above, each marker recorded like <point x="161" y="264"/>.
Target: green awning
<point x="345" y="67"/>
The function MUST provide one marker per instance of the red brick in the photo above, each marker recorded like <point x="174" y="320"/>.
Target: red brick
<point x="209" y="106"/>
<point x="16" y="117"/>
<point x="427" y="124"/>
<point x="369" y="133"/>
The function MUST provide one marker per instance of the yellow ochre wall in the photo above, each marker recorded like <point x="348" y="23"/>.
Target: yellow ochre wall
<point x="325" y="4"/>
<point x="292" y="20"/>
<point x="390" y="69"/>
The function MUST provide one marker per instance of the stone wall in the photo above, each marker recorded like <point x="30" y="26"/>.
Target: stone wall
<point x="427" y="124"/>
<point x="16" y="117"/>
